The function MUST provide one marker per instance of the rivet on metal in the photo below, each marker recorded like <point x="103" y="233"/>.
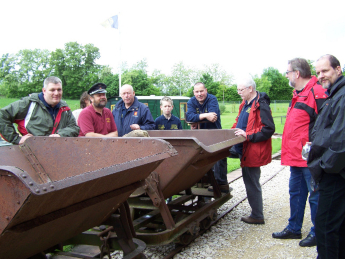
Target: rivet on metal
<point x="52" y="186"/>
<point x="31" y="183"/>
<point x="18" y="202"/>
<point x="37" y="191"/>
<point x="44" y="189"/>
<point x="125" y="141"/>
<point x="24" y="176"/>
<point x="139" y="141"/>
<point x="153" y="141"/>
<point x="7" y="217"/>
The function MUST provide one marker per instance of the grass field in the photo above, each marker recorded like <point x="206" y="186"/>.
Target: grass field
<point x="279" y="110"/>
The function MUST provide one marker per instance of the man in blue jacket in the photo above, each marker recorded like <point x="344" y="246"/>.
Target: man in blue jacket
<point x="129" y="114"/>
<point x="203" y="111"/>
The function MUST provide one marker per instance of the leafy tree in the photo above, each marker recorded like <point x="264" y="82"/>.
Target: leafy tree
<point x="312" y="67"/>
<point x="207" y="80"/>
<point x="280" y="89"/>
<point x="8" y="78"/>
<point x="182" y="78"/>
<point x="218" y="74"/>
<point x="75" y="66"/>
<point x="139" y="80"/>
<point x="111" y="80"/>
<point x="263" y="84"/>
<point x="22" y="73"/>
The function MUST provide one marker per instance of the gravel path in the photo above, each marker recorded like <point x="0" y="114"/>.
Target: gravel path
<point x="231" y="238"/>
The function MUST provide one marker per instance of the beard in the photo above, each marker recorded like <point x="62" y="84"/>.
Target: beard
<point x="100" y="104"/>
<point x="326" y="85"/>
<point x="292" y="84"/>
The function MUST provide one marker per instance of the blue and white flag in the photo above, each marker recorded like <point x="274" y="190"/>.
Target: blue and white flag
<point x="112" y="22"/>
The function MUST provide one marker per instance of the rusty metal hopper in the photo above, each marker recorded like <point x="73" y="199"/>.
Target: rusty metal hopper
<point x="198" y="150"/>
<point x="51" y="189"/>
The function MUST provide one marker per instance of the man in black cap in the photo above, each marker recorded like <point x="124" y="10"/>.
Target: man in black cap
<point x="96" y="120"/>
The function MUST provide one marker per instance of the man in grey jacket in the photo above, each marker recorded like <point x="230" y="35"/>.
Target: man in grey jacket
<point x="43" y="114"/>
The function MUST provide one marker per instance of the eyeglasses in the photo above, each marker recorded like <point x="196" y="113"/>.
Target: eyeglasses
<point x="287" y="72"/>
<point x="241" y="90"/>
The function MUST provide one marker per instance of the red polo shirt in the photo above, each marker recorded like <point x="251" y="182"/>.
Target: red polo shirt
<point x="91" y="121"/>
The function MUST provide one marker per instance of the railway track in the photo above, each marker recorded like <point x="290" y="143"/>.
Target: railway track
<point x="178" y="248"/>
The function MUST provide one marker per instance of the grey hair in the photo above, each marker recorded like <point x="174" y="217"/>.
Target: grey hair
<point x="125" y="86"/>
<point x="52" y="79"/>
<point x="246" y="81"/>
<point x="301" y="65"/>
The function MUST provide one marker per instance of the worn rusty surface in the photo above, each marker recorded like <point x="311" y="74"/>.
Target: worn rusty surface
<point x="198" y="150"/>
<point x="182" y="226"/>
<point x="51" y="189"/>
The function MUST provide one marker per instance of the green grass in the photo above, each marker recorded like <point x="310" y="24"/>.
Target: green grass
<point x="278" y="113"/>
<point x="6" y="101"/>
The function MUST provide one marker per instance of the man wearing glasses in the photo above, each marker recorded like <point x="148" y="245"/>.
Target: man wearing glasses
<point x="255" y="123"/>
<point x="308" y="96"/>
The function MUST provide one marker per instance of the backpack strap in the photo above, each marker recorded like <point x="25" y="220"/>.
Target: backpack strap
<point x="58" y="117"/>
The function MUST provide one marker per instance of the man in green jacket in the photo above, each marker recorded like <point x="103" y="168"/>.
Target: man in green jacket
<point x="43" y="114"/>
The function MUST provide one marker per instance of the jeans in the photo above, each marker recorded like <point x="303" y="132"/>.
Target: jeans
<point x="220" y="169"/>
<point x="299" y="187"/>
<point x="330" y="217"/>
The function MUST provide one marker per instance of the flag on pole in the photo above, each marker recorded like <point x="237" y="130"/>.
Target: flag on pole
<point x="112" y="22"/>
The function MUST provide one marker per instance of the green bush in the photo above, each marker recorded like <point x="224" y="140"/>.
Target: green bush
<point x="222" y="108"/>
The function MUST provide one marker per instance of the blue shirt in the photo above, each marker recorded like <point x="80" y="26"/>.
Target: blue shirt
<point x="242" y="123"/>
<point x="194" y="109"/>
<point x="162" y="123"/>
<point x="138" y="113"/>
<point x="52" y="110"/>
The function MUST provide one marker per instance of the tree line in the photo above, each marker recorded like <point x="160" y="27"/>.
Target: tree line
<point x="23" y="73"/>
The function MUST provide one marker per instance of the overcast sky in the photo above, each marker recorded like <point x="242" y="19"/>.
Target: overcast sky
<point x="242" y="36"/>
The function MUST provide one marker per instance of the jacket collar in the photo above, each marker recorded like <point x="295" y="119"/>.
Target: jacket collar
<point x="336" y="86"/>
<point x="305" y="91"/>
<point x="134" y="105"/>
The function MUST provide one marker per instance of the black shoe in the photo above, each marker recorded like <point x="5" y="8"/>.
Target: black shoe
<point x="224" y="188"/>
<point x="286" y="234"/>
<point x="309" y="241"/>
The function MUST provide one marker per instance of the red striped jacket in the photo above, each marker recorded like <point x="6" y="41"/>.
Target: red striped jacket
<point x="300" y="119"/>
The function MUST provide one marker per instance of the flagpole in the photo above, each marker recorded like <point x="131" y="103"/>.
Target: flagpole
<point x="119" y="54"/>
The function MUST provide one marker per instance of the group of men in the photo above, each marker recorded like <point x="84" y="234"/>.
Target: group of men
<point x="316" y="116"/>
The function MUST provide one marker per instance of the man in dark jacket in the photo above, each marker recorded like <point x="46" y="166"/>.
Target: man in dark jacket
<point x="308" y="96"/>
<point x="130" y="114"/>
<point x="43" y="114"/>
<point x="255" y="123"/>
<point x="203" y="111"/>
<point x="326" y="161"/>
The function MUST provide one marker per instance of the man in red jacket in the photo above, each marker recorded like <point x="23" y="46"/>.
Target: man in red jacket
<point x="308" y="97"/>
<point x="255" y="123"/>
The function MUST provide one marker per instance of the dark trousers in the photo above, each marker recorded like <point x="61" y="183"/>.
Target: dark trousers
<point x="330" y="217"/>
<point x="220" y="170"/>
<point x="251" y="179"/>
